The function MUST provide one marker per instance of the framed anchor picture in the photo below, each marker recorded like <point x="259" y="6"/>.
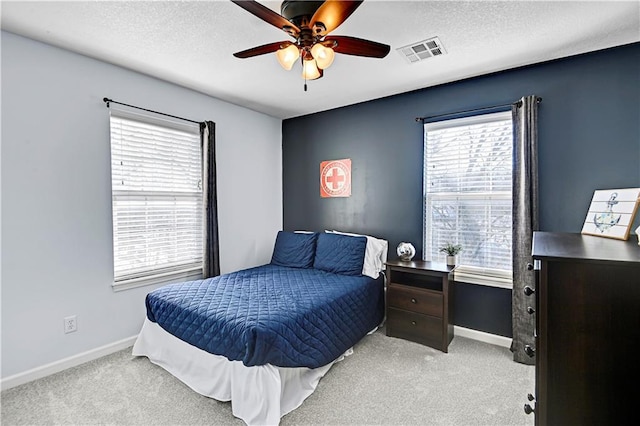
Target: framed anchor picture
<point x="611" y="213"/>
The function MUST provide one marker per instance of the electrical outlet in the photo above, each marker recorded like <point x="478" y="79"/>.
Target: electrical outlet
<point x="70" y="324"/>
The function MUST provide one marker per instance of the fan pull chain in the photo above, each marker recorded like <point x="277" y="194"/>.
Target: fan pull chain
<point x="303" y="74"/>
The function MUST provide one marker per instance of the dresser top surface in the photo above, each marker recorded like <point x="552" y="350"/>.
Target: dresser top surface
<point x="585" y="248"/>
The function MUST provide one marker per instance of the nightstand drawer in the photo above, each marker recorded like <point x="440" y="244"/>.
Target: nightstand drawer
<point x="418" y="328"/>
<point x="415" y="300"/>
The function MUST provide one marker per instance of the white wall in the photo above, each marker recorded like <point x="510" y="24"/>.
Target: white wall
<point x="56" y="196"/>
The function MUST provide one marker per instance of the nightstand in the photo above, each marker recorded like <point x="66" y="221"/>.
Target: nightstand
<point x="419" y="302"/>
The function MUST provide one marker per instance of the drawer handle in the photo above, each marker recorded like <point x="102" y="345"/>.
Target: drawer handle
<point x="413" y="323"/>
<point x="530" y="397"/>
<point x="528" y="291"/>
<point x="528" y="409"/>
<point x="529" y="351"/>
<point x="529" y="267"/>
<point x="531" y="310"/>
<point x="413" y="300"/>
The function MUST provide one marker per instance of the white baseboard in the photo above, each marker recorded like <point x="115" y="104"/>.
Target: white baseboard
<point x="75" y="360"/>
<point x="63" y="364"/>
<point x="493" y="339"/>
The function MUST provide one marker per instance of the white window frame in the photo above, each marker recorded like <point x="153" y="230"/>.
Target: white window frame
<point x="167" y="273"/>
<point x="464" y="273"/>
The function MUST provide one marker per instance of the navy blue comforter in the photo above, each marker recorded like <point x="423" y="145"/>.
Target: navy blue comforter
<point x="288" y="317"/>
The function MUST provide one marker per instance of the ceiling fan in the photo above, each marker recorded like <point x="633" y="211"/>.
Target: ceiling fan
<point x="309" y="23"/>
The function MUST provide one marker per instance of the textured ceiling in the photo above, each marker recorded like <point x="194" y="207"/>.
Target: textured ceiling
<point x="191" y="43"/>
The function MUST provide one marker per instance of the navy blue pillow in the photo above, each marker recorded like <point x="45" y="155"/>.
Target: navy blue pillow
<point x="294" y="249"/>
<point x="340" y="254"/>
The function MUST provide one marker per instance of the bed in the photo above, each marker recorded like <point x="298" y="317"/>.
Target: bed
<point x="263" y="337"/>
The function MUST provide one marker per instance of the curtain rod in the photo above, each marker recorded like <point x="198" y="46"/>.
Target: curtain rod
<point x="108" y="101"/>
<point x="517" y="103"/>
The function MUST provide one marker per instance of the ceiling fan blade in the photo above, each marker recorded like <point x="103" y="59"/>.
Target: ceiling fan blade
<point x="332" y="13"/>
<point x="358" y="47"/>
<point x="268" y="16"/>
<point x="261" y="50"/>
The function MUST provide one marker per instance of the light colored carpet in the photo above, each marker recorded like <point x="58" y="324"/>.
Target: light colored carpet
<point x="386" y="381"/>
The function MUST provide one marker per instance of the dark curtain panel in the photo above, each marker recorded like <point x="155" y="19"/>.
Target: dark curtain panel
<point x="211" y="259"/>
<point x="525" y="221"/>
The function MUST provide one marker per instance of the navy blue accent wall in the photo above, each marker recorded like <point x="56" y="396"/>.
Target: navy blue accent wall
<point x="589" y="138"/>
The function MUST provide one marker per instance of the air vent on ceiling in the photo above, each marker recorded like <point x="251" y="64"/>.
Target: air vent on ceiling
<point x="416" y="52"/>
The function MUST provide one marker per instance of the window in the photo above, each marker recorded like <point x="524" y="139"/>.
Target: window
<point x="467" y="195"/>
<point x="156" y="175"/>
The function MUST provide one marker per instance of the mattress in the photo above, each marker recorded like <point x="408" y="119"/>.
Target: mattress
<point x="277" y="315"/>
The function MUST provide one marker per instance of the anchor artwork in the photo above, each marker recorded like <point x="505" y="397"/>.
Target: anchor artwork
<point x="611" y="213"/>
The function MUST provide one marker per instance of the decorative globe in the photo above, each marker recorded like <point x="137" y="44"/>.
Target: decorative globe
<point x="406" y="251"/>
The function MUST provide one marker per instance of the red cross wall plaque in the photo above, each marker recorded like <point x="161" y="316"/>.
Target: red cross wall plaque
<point x="335" y="178"/>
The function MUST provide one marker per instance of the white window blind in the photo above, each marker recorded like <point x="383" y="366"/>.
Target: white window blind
<point x="467" y="195"/>
<point x="156" y="171"/>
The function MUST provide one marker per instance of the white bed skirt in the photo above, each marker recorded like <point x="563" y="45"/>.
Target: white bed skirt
<point x="259" y="395"/>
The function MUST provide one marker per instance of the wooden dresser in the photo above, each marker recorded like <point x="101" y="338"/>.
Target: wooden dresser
<point x="419" y="302"/>
<point x="588" y="330"/>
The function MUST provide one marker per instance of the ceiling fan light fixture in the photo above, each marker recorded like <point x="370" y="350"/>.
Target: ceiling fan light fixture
<point x="310" y="69"/>
<point x="309" y="23"/>
<point x="323" y="55"/>
<point x="288" y="56"/>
